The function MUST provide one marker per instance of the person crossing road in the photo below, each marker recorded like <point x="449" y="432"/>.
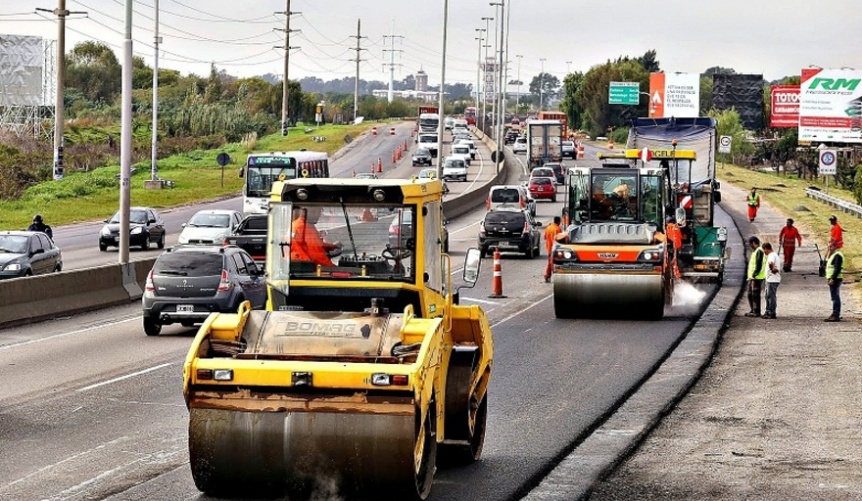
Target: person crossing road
<point x="789" y="238"/>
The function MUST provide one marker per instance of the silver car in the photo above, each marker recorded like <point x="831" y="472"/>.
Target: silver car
<point x="210" y="227"/>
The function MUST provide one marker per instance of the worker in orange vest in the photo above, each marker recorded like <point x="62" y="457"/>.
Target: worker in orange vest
<point x="305" y="242"/>
<point x="551" y="233"/>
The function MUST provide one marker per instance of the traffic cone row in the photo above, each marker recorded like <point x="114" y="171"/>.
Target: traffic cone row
<point x="379" y="165"/>
<point x="497" y="283"/>
<point x="404" y="148"/>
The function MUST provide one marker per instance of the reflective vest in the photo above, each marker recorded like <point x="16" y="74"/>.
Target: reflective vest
<point x="830" y="265"/>
<point x="752" y="263"/>
<point x="753" y="199"/>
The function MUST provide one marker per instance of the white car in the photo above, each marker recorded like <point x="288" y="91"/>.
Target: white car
<point x="567" y="149"/>
<point x="520" y="145"/>
<point x="471" y="144"/>
<point x="210" y="227"/>
<point x="463" y="151"/>
<point x="454" y="168"/>
<point x="448" y="123"/>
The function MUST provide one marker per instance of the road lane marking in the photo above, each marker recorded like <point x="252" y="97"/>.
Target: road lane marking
<point x="513" y="315"/>
<point x="121" y="378"/>
<point x="66" y="460"/>
<point x="56" y="336"/>
<point x="481" y="166"/>
<point x="480" y="301"/>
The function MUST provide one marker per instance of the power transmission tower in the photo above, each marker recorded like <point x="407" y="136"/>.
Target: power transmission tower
<point x="287" y="48"/>
<point x="358" y="50"/>
<point x="392" y="64"/>
<point x="61" y="14"/>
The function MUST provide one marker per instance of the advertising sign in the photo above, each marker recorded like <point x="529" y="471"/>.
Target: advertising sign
<point x="674" y="95"/>
<point x="490" y="71"/>
<point x="830" y="106"/>
<point x="784" y="111"/>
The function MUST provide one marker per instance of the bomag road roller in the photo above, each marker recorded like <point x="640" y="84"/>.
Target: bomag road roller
<point x="628" y="235"/>
<point x="363" y="373"/>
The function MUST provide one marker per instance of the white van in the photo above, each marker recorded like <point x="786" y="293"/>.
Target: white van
<point x="511" y="196"/>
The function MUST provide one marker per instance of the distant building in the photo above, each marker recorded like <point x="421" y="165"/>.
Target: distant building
<point x="430" y="96"/>
<point x="421" y="81"/>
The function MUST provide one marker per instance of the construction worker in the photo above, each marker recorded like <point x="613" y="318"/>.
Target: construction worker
<point x="305" y="243"/>
<point x="836" y="235"/>
<point x="834" y="278"/>
<point x="551" y="233"/>
<point x="789" y="238"/>
<point x="753" y="204"/>
<point x="674" y="236"/>
<point x="756" y="275"/>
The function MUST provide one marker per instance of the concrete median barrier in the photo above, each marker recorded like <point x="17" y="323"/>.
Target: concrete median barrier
<point x="31" y="299"/>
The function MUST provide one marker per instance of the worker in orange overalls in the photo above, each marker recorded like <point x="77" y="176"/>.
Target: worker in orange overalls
<point x="674" y="236"/>
<point x="789" y="237"/>
<point x="753" y="204"/>
<point x="551" y="233"/>
<point x="305" y="242"/>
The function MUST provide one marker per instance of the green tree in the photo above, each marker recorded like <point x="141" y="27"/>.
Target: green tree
<point x="544" y="83"/>
<point x="599" y="115"/>
<point x="572" y="95"/>
<point x="649" y="62"/>
<point x="142" y="75"/>
<point x="92" y="68"/>
<point x="729" y="124"/>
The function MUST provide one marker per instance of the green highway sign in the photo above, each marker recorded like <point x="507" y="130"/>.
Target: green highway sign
<point x="624" y="93"/>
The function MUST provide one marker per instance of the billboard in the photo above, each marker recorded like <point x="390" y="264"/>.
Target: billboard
<point x="21" y="67"/>
<point x="744" y="93"/>
<point x="674" y="95"/>
<point x="830" y="106"/>
<point x="490" y="71"/>
<point x="784" y="108"/>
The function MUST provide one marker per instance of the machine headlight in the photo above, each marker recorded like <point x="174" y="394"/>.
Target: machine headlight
<point x="565" y="255"/>
<point x="13" y="267"/>
<point x="650" y="255"/>
<point x="137" y="230"/>
<point x="223" y="375"/>
<point x="106" y="231"/>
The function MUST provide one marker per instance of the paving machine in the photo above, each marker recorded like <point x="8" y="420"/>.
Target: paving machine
<point x="632" y="233"/>
<point x="363" y="373"/>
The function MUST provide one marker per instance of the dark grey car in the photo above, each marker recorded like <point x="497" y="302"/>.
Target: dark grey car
<point x="25" y="253"/>
<point x="510" y="231"/>
<point x="188" y="283"/>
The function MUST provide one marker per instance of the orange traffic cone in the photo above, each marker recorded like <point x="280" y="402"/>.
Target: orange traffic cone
<point x="372" y="168"/>
<point x="497" y="283"/>
<point x="405" y="146"/>
<point x="611" y="144"/>
<point x="393" y="157"/>
<point x="398" y="154"/>
<point x="379" y="165"/>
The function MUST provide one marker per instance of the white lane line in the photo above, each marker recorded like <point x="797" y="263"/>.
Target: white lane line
<point x="480" y="301"/>
<point x="513" y="315"/>
<point x="68" y="459"/>
<point x="465" y="227"/>
<point x="56" y="336"/>
<point x="481" y="167"/>
<point x="121" y="378"/>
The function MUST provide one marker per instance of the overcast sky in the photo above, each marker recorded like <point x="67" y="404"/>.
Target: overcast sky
<point x="772" y="37"/>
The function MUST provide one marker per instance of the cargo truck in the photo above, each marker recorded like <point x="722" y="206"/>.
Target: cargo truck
<point x="544" y="142"/>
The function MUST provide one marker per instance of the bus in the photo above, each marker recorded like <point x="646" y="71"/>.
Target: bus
<point x="261" y="169"/>
<point x="470" y="115"/>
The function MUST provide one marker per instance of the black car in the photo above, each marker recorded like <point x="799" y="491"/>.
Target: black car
<point x="421" y="157"/>
<point x="145" y="228"/>
<point x="510" y="231"/>
<point x="510" y="136"/>
<point x="26" y="253"/>
<point x="189" y="282"/>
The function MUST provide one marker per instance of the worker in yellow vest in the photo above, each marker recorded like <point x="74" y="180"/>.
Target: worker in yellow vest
<point x="756" y="275"/>
<point x="834" y="277"/>
<point x="753" y="204"/>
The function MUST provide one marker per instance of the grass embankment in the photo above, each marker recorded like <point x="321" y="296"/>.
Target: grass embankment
<point x="786" y="193"/>
<point x="94" y="195"/>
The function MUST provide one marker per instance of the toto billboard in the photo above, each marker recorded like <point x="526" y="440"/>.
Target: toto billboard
<point x="784" y="111"/>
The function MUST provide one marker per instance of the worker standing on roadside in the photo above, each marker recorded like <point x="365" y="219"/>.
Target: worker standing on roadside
<point x="834" y="278"/>
<point x="836" y="235"/>
<point x="551" y="233"/>
<point x="756" y="276"/>
<point x="773" y="280"/>
<point x="753" y="204"/>
<point x="789" y="238"/>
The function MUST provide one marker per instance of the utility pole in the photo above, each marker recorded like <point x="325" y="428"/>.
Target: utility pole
<point x="542" y="84"/>
<point x="485" y="73"/>
<point x="154" y="170"/>
<point x="126" y="138"/>
<point x="495" y="86"/>
<point x="392" y="64"/>
<point x="440" y="124"/>
<point x="287" y="48"/>
<point x="501" y="95"/>
<point x="505" y="79"/>
<point x="518" y="95"/>
<point x="61" y="14"/>
<point x="478" y="66"/>
<point x="358" y="50"/>
<point x="568" y="67"/>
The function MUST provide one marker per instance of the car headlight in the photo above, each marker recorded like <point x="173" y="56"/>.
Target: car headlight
<point x="13" y="267"/>
<point x="137" y="230"/>
<point x="106" y="231"/>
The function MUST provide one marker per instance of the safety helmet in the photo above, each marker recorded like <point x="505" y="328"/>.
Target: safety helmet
<point x="37" y="218"/>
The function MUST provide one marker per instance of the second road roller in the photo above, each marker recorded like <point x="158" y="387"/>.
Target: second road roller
<point x="635" y="225"/>
<point x="363" y="373"/>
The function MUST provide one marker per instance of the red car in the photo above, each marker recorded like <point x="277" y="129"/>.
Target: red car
<point x="543" y="187"/>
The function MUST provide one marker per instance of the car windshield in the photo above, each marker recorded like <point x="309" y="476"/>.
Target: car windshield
<point x="454" y="163"/>
<point x="206" y="220"/>
<point x="614" y="197"/>
<point x="15" y="244"/>
<point x="342" y="241"/>
<point x="189" y="264"/>
<point x="135" y="216"/>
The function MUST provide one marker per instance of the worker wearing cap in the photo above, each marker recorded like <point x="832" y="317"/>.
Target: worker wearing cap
<point x="789" y="237"/>
<point x="836" y="235"/>
<point x="756" y="275"/>
<point x="753" y="204"/>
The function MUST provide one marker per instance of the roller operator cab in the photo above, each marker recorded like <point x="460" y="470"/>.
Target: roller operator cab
<point x="633" y="229"/>
<point x="363" y="372"/>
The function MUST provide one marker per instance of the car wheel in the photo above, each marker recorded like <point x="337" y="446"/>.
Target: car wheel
<point x="151" y="327"/>
<point x="483" y="251"/>
<point x="555" y="198"/>
<point x="58" y="268"/>
<point x="146" y="244"/>
<point x="103" y="247"/>
<point x="161" y="243"/>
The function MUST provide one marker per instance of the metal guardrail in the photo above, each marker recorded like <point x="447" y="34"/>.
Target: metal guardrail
<point x="842" y="205"/>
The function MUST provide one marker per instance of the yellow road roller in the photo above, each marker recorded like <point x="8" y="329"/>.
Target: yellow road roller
<point x="363" y="373"/>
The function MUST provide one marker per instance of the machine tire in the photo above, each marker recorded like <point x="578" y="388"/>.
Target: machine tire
<point x="151" y="327"/>
<point x="466" y="416"/>
<point x="424" y="477"/>
<point x="562" y="309"/>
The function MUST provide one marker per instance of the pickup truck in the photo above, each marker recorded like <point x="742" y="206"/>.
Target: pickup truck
<point x="250" y="235"/>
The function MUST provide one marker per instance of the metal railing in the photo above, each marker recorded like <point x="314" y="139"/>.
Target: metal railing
<point x="842" y="205"/>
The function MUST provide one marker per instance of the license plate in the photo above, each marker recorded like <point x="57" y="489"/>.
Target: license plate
<point x="185" y="308"/>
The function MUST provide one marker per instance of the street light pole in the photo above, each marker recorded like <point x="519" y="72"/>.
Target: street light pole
<point x="542" y="84"/>
<point x="518" y="95"/>
<point x="480" y="38"/>
<point x="126" y="137"/>
<point x="494" y="87"/>
<point x="485" y="74"/>
<point x="568" y="67"/>
<point x="440" y="125"/>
